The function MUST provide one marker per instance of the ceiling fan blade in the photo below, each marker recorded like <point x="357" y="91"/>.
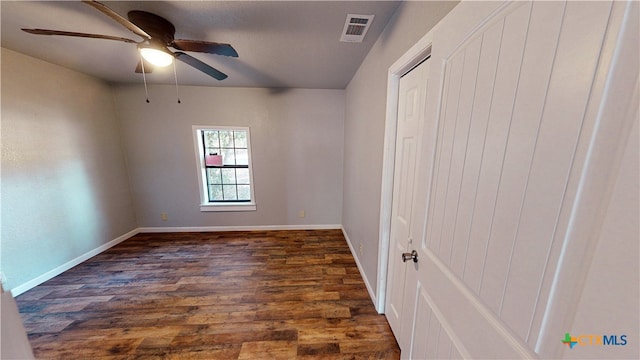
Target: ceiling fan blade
<point x="204" y="47"/>
<point x="77" y="34"/>
<point x="121" y="20"/>
<point x="148" y="67"/>
<point x="190" y="60"/>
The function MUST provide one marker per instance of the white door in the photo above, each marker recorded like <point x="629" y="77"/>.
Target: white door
<point x="411" y="103"/>
<point x="511" y="111"/>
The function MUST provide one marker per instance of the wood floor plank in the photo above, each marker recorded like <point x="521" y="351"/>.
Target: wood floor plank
<point x="226" y="295"/>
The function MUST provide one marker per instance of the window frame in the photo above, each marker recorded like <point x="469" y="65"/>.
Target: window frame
<point x="205" y="204"/>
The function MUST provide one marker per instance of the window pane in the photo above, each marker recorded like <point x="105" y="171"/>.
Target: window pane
<point x="242" y="176"/>
<point x="215" y="193"/>
<point x="229" y="176"/>
<point x="228" y="183"/>
<point x="211" y="138"/>
<point x="230" y="192"/>
<point x="244" y="192"/>
<point x="242" y="157"/>
<point x="226" y="139"/>
<point x="241" y="139"/>
<point x="228" y="157"/>
<point x="213" y="176"/>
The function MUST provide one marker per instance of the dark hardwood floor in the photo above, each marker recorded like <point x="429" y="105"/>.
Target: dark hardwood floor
<point x="226" y="295"/>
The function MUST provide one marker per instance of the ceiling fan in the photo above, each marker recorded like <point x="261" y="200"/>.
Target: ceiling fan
<point x="157" y="35"/>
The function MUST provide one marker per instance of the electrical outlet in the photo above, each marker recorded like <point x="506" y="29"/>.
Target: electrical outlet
<point x="164" y="216"/>
<point x="360" y="249"/>
<point x="301" y="213"/>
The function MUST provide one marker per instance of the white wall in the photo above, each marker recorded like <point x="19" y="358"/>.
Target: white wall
<point x="68" y="188"/>
<point x="297" y="150"/>
<point x="65" y="189"/>
<point x="364" y="127"/>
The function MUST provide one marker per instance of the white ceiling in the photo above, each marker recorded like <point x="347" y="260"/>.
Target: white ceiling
<point x="290" y="44"/>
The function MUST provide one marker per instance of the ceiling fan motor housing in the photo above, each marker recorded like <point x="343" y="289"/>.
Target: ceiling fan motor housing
<point x="158" y="27"/>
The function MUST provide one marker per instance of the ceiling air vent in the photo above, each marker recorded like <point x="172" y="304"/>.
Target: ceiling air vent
<point x="355" y="28"/>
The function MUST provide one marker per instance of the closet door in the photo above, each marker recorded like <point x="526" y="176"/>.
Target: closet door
<point x="411" y="105"/>
<point x="513" y="106"/>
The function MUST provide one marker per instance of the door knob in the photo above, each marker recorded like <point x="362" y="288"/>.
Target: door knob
<point x="410" y="256"/>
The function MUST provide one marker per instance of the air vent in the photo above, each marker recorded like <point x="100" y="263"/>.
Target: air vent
<point x="355" y="28"/>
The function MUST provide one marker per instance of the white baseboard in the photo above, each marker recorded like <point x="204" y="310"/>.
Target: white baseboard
<point x="372" y="293"/>
<point x="69" y="264"/>
<point x="238" y="228"/>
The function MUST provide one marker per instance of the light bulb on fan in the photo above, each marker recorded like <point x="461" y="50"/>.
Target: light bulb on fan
<point x="156" y="57"/>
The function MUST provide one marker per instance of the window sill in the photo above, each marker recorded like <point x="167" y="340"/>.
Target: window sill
<point x="228" y="207"/>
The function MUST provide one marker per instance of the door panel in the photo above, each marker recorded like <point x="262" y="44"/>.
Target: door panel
<point x="490" y="50"/>
<point x="468" y="68"/>
<point x="411" y="101"/>
<point x="440" y="344"/>
<point x="454" y="78"/>
<point x="523" y="139"/>
<point x="495" y="159"/>
<point x="567" y="98"/>
<point x="460" y="317"/>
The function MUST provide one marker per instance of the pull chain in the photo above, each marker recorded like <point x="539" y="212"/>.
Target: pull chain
<point x="144" y="78"/>
<point x="175" y="76"/>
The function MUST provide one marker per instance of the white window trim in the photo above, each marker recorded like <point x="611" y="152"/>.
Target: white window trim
<point x="205" y="205"/>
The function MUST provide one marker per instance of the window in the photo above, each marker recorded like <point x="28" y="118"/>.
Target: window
<point x="224" y="173"/>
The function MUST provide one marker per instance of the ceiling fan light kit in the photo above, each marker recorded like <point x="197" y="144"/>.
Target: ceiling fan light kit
<point x="157" y="35"/>
<point x="156" y="57"/>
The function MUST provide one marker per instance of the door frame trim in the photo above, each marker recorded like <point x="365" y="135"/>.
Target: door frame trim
<point x="411" y="58"/>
